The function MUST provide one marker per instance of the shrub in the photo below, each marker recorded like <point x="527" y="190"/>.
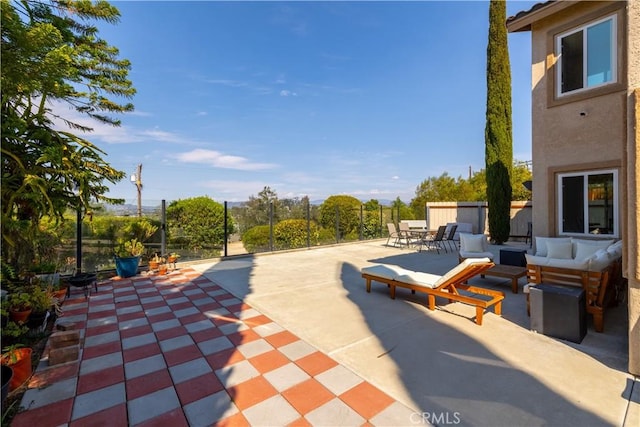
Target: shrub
<point x="292" y="233"/>
<point x="256" y="239"/>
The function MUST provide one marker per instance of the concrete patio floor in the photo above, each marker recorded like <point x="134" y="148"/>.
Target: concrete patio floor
<point x="293" y="339"/>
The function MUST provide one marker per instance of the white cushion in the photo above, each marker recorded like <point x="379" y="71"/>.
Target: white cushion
<point x="599" y="261"/>
<point x="418" y="278"/>
<point x="536" y="260"/>
<point x="568" y="263"/>
<point x="559" y="250"/>
<point x="464" y="254"/>
<point x="473" y="242"/>
<point x="541" y="243"/>
<point x="385" y="270"/>
<point x="459" y="268"/>
<point x="598" y="243"/>
<point x="585" y="250"/>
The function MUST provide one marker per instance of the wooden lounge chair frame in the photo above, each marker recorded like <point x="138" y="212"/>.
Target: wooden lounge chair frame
<point x="447" y="286"/>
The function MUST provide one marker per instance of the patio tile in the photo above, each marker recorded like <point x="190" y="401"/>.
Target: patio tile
<point x="138" y="340"/>
<point x="266" y="329"/>
<point x="366" y="399"/>
<point x="52" y="393"/>
<point x="281" y="338"/>
<point x="208" y="410"/>
<point x="138" y="330"/>
<point x="100" y="339"/>
<point x="273" y="411"/>
<point x="58" y="413"/>
<point x="116" y="415"/>
<point x="99" y="379"/>
<point x="250" y="392"/>
<point x="102" y="362"/>
<point x="151" y="405"/>
<point x="91" y="331"/>
<point x="268" y="361"/>
<point x="334" y="413"/>
<point x="297" y="350"/>
<point x="236" y="373"/>
<point x="205" y="334"/>
<point x="141" y="352"/>
<point x="157" y="310"/>
<point x="182" y="354"/>
<point x="203" y="301"/>
<point x="199" y="326"/>
<point x="101" y="349"/>
<point x="171" y="333"/>
<point x="286" y="376"/>
<point x="228" y="356"/>
<point x="176" y="300"/>
<point x="316" y="363"/>
<point x="191" y="369"/>
<point x="338" y="379"/>
<point x="307" y="396"/>
<point x="214" y="345"/>
<point x="109" y="318"/>
<point x="198" y="388"/>
<point x="124" y="298"/>
<point x="174" y="418"/>
<point x="144" y="366"/>
<point x="254" y="348"/>
<point x="133" y="323"/>
<point x="243" y="336"/>
<point x="176" y="342"/>
<point x="165" y="324"/>
<point x="96" y="401"/>
<point x="148" y="383"/>
<point x="230" y="326"/>
<point x="236" y="420"/>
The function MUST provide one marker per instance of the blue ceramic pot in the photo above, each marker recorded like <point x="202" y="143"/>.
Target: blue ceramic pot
<point x="127" y="266"/>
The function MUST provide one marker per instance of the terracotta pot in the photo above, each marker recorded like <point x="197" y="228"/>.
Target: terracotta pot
<point x="162" y="269"/>
<point x="21" y="367"/>
<point x="172" y="259"/>
<point x="19" y="316"/>
<point x="153" y="265"/>
<point x="60" y="295"/>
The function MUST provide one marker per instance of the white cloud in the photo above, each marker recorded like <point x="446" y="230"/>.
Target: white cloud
<point x="287" y="93"/>
<point x="201" y="113"/>
<point x="220" y="160"/>
<point x="395" y="177"/>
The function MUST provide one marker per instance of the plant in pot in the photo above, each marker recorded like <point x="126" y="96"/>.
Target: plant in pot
<point x="19" y="302"/>
<point x="41" y="302"/>
<point x="155" y="262"/>
<point x="127" y="257"/>
<point x="18" y="358"/>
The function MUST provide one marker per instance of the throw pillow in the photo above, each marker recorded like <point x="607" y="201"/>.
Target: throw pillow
<point x="559" y="250"/>
<point x="541" y="243"/>
<point x="585" y="250"/>
<point x="598" y="243"/>
<point x="472" y="242"/>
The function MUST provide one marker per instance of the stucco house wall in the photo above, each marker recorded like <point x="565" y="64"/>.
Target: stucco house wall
<point x="578" y="133"/>
<point x="596" y="129"/>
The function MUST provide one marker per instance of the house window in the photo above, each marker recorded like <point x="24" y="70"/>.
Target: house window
<point x="587" y="56"/>
<point x="588" y="203"/>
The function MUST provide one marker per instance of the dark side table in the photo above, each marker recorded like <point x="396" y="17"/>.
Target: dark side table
<point x="513" y="257"/>
<point x="558" y="311"/>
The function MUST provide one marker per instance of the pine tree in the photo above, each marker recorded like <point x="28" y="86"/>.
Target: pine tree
<point x="498" y="130"/>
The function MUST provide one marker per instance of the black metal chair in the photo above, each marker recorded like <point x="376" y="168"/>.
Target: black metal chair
<point x="450" y="239"/>
<point x="435" y="241"/>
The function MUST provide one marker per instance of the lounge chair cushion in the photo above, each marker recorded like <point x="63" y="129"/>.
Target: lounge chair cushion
<point x="418" y="278"/>
<point x="460" y="268"/>
<point x="385" y="270"/>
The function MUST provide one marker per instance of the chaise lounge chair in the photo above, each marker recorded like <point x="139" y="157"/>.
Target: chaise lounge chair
<point x="447" y="286"/>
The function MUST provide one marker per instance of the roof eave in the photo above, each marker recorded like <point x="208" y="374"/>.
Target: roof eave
<point x="523" y="20"/>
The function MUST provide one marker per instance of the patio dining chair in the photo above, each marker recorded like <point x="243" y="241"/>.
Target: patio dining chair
<point x="435" y="241"/>
<point x="393" y="234"/>
<point x="450" y="236"/>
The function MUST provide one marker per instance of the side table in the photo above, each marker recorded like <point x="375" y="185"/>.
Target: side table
<point x="558" y="311"/>
<point x="513" y="257"/>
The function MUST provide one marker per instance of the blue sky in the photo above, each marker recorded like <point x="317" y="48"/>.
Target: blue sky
<point x="310" y="98"/>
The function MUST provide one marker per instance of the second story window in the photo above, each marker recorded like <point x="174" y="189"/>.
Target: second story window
<point x="587" y="56"/>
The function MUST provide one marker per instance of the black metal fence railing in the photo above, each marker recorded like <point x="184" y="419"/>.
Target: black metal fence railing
<point x="233" y="230"/>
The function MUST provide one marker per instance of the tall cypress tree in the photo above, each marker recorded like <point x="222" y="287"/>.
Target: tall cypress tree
<point x="498" y="130"/>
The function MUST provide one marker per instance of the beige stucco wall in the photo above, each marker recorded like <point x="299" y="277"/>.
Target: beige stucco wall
<point x="632" y="258"/>
<point x="606" y="135"/>
<point x="583" y="134"/>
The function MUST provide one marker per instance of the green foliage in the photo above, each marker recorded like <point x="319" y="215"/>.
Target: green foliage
<point x="256" y="239"/>
<point x="348" y="211"/>
<point x="401" y="211"/>
<point x="53" y="59"/>
<point x="129" y="248"/>
<point x="498" y="129"/>
<point x="371" y="219"/>
<point x="292" y="233"/>
<point x="198" y="222"/>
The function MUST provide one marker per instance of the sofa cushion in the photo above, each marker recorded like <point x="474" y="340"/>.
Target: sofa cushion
<point x="541" y="243"/>
<point x="599" y="261"/>
<point x="615" y="250"/>
<point x="597" y="243"/>
<point x="536" y="260"/>
<point x="568" y="263"/>
<point x="473" y="242"/>
<point x="585" y="250"/>
<point x="559" y="250"/>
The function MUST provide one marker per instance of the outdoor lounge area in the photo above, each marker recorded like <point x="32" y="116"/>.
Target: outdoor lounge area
<point x="294" y="338"/>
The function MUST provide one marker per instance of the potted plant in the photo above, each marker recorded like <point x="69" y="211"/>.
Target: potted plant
<point x="41" y="302"/>
<point x="154" y="263"/>
<point x="19" y="302"/>
<point x="127" y="257"/>
<point x="18" y="358"/>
